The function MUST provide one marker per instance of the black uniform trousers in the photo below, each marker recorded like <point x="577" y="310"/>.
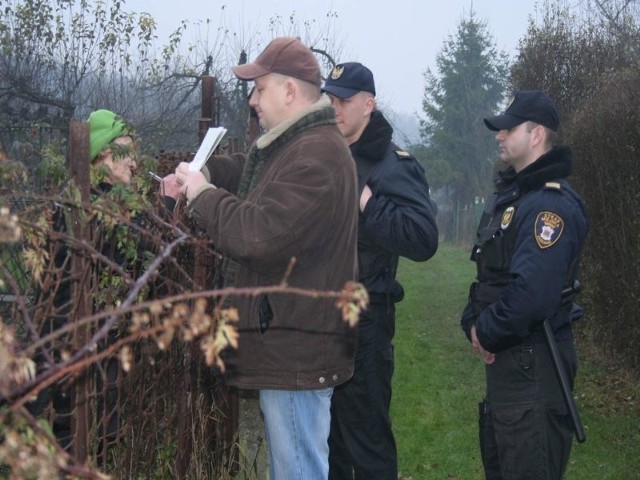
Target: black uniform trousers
<point x="525" y="425"/>
<point x="361" y="441"/>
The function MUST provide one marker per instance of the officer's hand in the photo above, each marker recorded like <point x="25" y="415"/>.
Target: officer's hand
<point x="364" y="198"/>
<point x="486" y="356"/>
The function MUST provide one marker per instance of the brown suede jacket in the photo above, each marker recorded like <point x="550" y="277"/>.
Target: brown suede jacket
<point x="296" y="200"/>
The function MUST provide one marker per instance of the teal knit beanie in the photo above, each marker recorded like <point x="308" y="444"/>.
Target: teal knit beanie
<point x="104" y="127"/>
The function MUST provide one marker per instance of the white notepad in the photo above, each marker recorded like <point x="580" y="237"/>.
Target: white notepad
<point x="207" y="147"/>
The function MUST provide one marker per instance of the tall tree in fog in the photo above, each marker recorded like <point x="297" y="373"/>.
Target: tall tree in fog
<point x="468" y="85"/>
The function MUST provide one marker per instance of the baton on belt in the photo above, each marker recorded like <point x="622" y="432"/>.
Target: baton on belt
<point x="562" y="376"/>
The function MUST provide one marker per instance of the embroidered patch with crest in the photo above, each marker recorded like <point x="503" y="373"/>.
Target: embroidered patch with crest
<point x="548" y="229"/>
<point x="337" y="71"/>
<point x="507" y="216"/>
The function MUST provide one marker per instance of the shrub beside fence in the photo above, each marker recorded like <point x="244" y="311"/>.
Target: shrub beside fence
<point x="154" y="409"/>
<point x="605" y="136"/>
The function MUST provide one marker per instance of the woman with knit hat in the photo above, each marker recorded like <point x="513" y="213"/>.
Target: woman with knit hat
<point x="112" y="153"/>
<point x="111" y="146"/>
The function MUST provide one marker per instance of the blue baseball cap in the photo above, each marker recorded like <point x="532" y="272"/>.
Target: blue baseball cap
<point x="526" y="106"/>
<point x="347" y="79"/>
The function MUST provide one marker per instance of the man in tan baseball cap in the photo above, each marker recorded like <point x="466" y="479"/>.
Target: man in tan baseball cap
<point x="292" y="216"/>
<point x="285" y="62"/>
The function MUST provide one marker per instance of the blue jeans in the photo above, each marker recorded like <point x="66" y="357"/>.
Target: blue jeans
<point x="297" y="428"/>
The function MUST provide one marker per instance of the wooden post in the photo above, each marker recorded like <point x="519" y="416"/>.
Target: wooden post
<point x="207" y="105"/>
<point x="233" y="145"/>
<point x="79" y="167"/>
<point x="200" y="380"/>
<point x="225" y="398"/>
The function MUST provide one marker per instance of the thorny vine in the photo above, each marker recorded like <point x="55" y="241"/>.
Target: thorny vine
<point x="29" y="448"/>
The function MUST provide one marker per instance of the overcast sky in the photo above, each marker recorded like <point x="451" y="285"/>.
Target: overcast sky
<point x="397" y="39"/>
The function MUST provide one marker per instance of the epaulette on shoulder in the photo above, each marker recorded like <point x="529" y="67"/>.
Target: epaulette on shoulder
<point x="552" y="186"/>
<point x="402" y="153"/>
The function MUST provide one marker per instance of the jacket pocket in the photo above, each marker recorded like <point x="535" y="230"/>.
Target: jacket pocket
<point x="518" y="431"/>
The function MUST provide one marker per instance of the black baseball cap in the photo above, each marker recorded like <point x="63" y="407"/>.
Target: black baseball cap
<point x="526" y="106"/>
<point x="347" y="79"/>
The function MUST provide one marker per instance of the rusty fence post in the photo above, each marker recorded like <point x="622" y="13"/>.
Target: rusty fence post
<point x="199" y="380"/>
<point x="202" y="263"/>
<point x="79" y="166"/>
<point x="225" y="398"/>
<point x="207" y="102"/>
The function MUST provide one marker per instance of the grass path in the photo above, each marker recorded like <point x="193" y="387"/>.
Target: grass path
<point x="438" y="383"/>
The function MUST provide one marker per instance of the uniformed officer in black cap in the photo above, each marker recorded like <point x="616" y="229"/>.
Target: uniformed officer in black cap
<point x="397" y="218"/>
<point x="527" y="249"/>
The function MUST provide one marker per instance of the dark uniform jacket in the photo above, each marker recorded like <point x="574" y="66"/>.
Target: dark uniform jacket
<point x="399" y="219"/>
<point x="301" y="204"/>
<point x="528" y="246"/>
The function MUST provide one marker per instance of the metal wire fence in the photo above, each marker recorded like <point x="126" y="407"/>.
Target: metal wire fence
<point x="121" y="382"/>
<point x="168" y="416"/>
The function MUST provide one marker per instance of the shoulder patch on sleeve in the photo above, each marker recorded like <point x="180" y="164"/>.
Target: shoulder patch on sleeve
<point x="402" y="153"/>
<point x="553" y="185"/>
<point x="548" y="229"/>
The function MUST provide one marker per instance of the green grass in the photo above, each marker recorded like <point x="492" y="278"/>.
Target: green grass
<point x="438" y="383"/>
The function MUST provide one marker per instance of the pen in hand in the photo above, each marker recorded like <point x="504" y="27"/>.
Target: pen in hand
<point x="157" y="178"/>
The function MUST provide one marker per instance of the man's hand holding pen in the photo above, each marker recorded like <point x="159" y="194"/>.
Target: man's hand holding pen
<point x="182" y="182"/>
<point x="189" y="183"/>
